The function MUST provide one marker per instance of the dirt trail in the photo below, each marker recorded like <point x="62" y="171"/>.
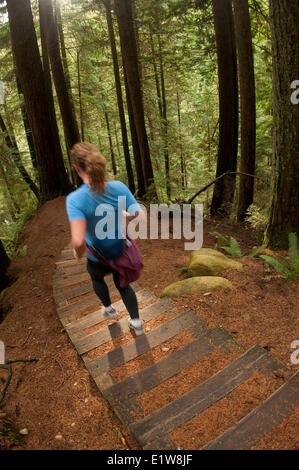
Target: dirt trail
<point x="54" y="398"/>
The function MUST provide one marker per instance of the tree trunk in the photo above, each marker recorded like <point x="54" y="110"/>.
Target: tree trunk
<point x="63" y="50"/>
<point x="16" y="157"/>
<point x="284" y="19"/>
<point x="123" y="10"/>
<point x="80" y="96"/>
<point x="120" y="103"/>
<point x="117" y="140"/>
<point x="27" y="126"/>
<point x="141" y="190"/>
<point x="30" y="73"/>
<point x="73" y="174"/>
<point x="182" y="160"/>
<point x="164" y="120"/>
<point x="248" y="110"/>
<point x="228" y="106"/>
<point x="110" y="144"/>
<point x="49" y="90"/>
<point x="157" y="82"/>
<point x="161" y="95"/>
<point x="67" y="110"/>
<point x="4" y="263"/>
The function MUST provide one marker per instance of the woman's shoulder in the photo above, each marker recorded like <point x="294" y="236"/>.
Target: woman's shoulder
<point x="116" y="185"/>
<point x="77" y="194"/>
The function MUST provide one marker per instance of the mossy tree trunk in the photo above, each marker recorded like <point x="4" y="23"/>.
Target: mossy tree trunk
<point x="124" y="14"/>
<point x="119" y="96"/>
<point x="248" y="110"/>
<point x="30" y="73"/>
<point x="284" y="19"/>
<point x="228" y="106"/>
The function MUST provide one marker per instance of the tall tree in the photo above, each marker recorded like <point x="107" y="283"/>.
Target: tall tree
<point x="183" y="163"/>
<point x="161" y="95"/>
<point x="114" y="169"/>
<point x="30" y="73"/>
<point x="248" y="108"/>
<point x="48" y="85"/>
<point x="228" y="106"/>
<point x="120" y="103"/>
<point x="284" y="19"/>
<point x="141" y="188"/>
<point x="124" y="14"/>
<point x="4" y="263"/>
<point x="80" y="95"/>
<point x="58" y="20"/>
<point x="67" y="110"/>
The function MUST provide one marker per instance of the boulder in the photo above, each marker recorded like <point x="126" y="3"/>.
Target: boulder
<point x="209" y="262"/>
<point x="196" y="284"/>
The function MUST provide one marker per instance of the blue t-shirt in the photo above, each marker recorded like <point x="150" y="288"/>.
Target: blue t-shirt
<point x="102" y="212"/>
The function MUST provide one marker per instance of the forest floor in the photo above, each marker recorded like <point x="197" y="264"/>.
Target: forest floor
<point x="54" y="398"/>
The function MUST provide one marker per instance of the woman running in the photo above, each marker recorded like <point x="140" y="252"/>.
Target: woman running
<point x="105" y="249"/>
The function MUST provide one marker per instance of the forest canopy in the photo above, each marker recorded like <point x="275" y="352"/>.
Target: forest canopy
<point x="176" y="94"/>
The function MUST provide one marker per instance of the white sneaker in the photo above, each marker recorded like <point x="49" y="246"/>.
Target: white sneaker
<point x="136" y="325"/>
<point x="110" y="312"/>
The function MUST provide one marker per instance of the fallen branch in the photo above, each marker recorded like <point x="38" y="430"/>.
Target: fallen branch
<point x="216" y="180"/>
<point x="8" y="367"/>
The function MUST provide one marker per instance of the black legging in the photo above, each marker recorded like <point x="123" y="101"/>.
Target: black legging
<point x="97" y="271"/>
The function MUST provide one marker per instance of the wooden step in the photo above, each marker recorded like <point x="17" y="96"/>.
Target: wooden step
<point x="71" y="263"/>
<point x="204" y="395"/>
<point x="269" y="414"/>
<point x="73" y="293"/>
<point x="66" y="254"/>
<point x="77" y="268"/>
<point x="93" y="340"/>
<point x="79" y="305"/>
<point x="64" y="281"/>
<point x="122" y="396"/>
<point x="95" y="318"/>
<point x="144" y="343"/>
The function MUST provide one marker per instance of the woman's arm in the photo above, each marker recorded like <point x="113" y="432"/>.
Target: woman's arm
<point x="78" y="231"/>
<point x="130" y="217"/>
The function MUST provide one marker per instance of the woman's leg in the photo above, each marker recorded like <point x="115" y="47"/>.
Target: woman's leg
<point x="97" y="271"/>
<point x="128" y="296"/>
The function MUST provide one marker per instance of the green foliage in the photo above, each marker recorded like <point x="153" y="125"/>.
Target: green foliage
<point x="256" y="217"/>
<point x="9" y="233"/>
<point x="257" y="251"/>
<point x="230" y="246"/>
<point x="288" y="267"/>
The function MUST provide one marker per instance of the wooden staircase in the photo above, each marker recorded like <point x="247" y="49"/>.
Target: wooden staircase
<point x="79" y="310"/>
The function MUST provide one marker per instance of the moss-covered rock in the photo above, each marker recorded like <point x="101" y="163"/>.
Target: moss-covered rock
<point x="196" y="284"/>
<point x="209" y="262"/>
<point x="207" y="252"/>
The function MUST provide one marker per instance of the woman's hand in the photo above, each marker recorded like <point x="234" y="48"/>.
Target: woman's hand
<point x="75" y="254"/>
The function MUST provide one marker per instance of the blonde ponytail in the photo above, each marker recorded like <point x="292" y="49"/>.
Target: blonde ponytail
<point x="88" y="158"/>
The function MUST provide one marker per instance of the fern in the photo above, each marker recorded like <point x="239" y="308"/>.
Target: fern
<point x="293" y="252"/>
<point x="230" y="246"/>
<point x="221" y="237"/>
<point x="256" y="251"/>
<point x="233" y="249"/>
<point x="276" y="264"/>
<point x="289" y="268"/>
